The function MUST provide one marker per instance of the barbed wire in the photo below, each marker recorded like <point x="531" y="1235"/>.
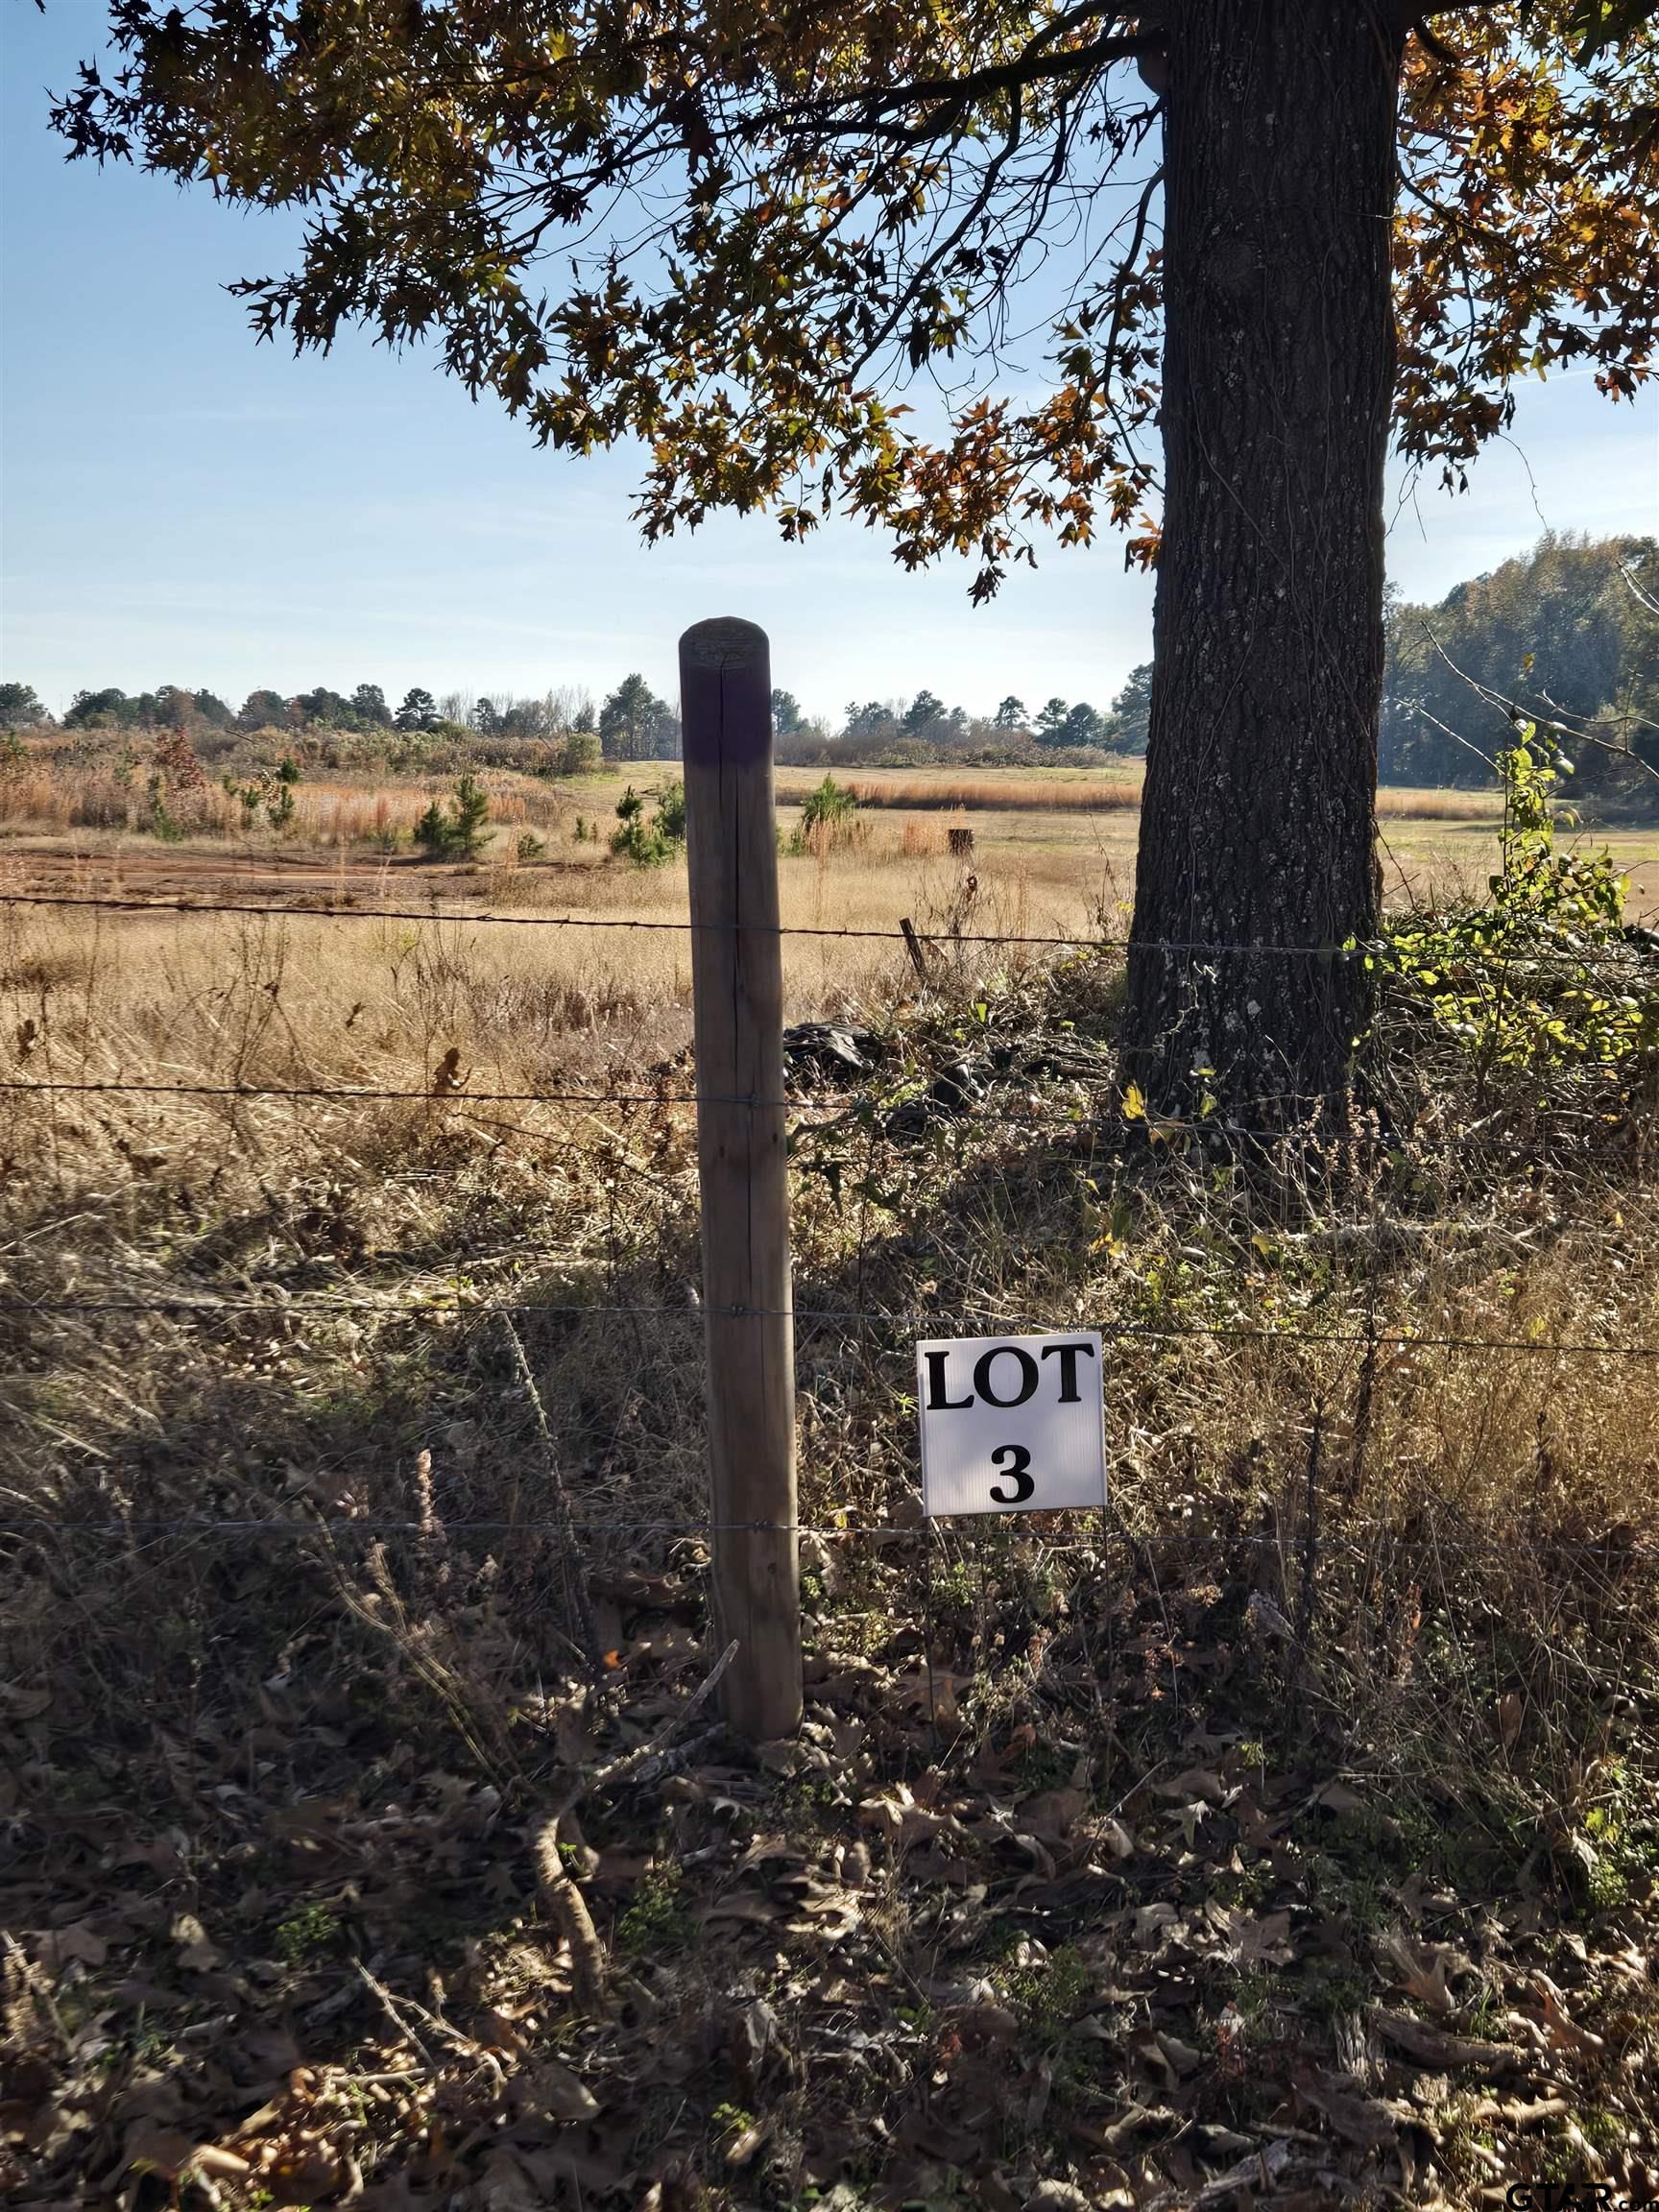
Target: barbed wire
<point x="1084" y="939"/>
<point x="448" y="1090"/>
<point x="371" y="1094"/>
<point x="483" y="1308"/>
<point x="426" y="1305"/>
<point x="910" y="1096"/>
<point x="649" y="924"/>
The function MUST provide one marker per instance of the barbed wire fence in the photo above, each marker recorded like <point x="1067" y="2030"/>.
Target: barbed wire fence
<point x="1077" y="1109"/>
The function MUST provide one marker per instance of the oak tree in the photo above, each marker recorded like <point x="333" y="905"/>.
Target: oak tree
<point x="1261" y="241"/>
<point x="263" y="709"/>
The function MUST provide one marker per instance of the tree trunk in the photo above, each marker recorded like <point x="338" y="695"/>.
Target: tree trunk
<point x="1257" y="835"/>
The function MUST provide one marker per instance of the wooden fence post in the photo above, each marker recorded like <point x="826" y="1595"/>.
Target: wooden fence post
<point x="738" y="1011"/>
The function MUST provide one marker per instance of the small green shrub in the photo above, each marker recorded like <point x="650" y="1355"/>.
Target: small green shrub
<point x="656" y="1915"/>
<point x="1048" y="1997"/>
<point x="157" y="820"/>
<point x="580" y="754"/>
<point x="530" y="847"/>
<point x="1621" y="1835"/>
<point x="305" y="1933"/>
<point x="827" y="808"/>
<point x="649" y="843"/>
<point x="175" y="773"/>
<point x="273" y="791"/>
<point x="1520" y="981"/>
<point x="456" y="831"/>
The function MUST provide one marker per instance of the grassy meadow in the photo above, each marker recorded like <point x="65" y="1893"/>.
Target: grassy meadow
<point x="1052" y="856"/>
<point x="1336" y="1739"/>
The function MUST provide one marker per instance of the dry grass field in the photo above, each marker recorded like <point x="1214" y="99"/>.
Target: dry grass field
<point x="1053" y="857"/>
<point x="1336" y="1741"/>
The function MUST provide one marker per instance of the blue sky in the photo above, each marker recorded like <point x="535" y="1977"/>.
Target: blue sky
<point x="180" y="505"/>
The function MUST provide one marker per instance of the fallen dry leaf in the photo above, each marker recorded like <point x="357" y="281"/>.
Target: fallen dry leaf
<point x="1253" y="1942"/>
<point x="1360" y="2120"/>
<point x="55" y="1947"/>
<point x="1181" y="2056"/>
<point x="1197" y="1782"/>
<point x="1116" y="1838"/>
<point x="893" y="1814"/>
<point x="170" y="2154"/>
<point x="551" y="2088"/>
<point x="1150" y="1920"/>
<point x="1339" y="1797"/>
<point x="742" y="1905"/>
<point x="195" y="1953"/>
<point x="742" y="2150"/>
<point x="1423" y="1977"/>
<point x="1051" y="1815"/>
<point x="1260" y="2171"/>
<point x="1562" y="2032"/>
<point x="1059" y="2197"/>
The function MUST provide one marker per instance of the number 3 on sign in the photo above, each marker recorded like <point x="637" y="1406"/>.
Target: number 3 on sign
<point x="1018" y="1461"/>
<point x="1011" y="1422"/>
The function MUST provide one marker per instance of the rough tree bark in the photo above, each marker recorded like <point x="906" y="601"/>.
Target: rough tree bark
<point x="1257" y="828"/>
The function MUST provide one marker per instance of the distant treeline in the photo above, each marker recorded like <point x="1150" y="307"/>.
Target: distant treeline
<point x="561" y="728"/>
<point x="630" y="724"/>
<point x="1571" y="628"/>
<point x="917" y="732"/>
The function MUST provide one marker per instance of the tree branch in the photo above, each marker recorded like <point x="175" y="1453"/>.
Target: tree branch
<point x="957" y="93"/>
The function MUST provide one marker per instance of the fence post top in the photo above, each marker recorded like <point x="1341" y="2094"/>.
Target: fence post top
<point x="727" y="641"/>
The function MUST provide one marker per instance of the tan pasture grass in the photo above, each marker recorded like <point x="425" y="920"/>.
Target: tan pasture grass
<point x="35" y="796"/>
<point x="1398" y="802"/>
<point x="1074" y="867"/>
<point x="923" y="839"/>
<point x="522" y="1002"/>
<point x="1117" y="794"/>
<point x="305" y="1000"/>
<point x="327" y="810"/>
<point x="977" y="794"/>
<point x="336" y="812"/>
<point x="362" y="1000"/>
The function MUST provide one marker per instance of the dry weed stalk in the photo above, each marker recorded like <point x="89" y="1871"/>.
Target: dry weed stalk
<point x="565" y="1900"/>
<point x="571" y="1562"/>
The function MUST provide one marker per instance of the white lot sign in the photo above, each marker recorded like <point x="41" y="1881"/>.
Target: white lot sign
<point x="1011" y="1424"/>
